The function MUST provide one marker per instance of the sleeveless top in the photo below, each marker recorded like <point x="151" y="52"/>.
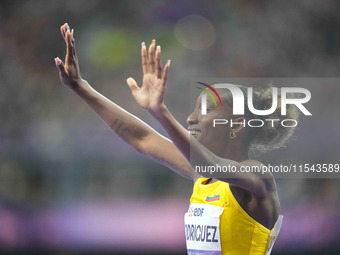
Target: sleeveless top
<point x="216" y="224"/>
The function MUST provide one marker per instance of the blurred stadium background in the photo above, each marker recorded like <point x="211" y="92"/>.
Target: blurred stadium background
<point x="68" y="185"/>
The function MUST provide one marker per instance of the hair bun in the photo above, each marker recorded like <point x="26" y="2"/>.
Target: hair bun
<point x="270" y="136"/>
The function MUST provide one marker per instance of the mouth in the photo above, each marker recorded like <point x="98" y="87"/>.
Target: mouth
<point x="194" y="133"/>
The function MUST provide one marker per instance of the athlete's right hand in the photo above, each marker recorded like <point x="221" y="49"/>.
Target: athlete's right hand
<point x="150" y="95"/>
<point x="69" y="72"/>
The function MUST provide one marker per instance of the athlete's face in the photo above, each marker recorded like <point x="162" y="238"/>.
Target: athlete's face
<point x="201" y="126"/>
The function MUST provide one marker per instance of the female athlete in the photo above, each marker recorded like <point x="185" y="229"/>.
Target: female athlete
<point x="234" y="214"/>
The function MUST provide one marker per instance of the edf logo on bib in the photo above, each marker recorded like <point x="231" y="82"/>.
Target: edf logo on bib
<point x="198" y="212"/>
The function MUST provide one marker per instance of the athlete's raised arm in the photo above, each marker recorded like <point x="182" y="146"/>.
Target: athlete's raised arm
<point x="151" y="97"/>
<point x="130" y="128"/>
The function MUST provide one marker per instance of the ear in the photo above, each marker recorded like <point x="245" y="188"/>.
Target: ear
<point x="237" y="124"/>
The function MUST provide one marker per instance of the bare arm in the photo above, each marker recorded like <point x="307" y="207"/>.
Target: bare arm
<point x="199" y="155"/>
<point x="128" y="127"/>
<point x="134" y="131"/>
<point x="151" y="97"/>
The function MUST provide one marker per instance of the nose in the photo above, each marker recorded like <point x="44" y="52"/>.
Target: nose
<point x="192" y="119"/>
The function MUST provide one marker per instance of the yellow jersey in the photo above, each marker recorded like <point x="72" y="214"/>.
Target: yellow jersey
<point x="216" y="224"/>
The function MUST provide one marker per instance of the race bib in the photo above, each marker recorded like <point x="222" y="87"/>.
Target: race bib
<point x="273" y="234"/>
<point x="202" y="232"/>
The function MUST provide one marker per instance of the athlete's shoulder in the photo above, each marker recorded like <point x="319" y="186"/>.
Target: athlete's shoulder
<point x="262" y="169"/>
<point x="264" y="175"/>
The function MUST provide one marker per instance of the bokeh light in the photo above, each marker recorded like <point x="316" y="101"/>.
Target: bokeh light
<point x="109" y="48"/>
<point x="195" y="32"/>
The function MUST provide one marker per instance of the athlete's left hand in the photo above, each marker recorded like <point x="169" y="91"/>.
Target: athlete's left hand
<point x="151" y="94"/>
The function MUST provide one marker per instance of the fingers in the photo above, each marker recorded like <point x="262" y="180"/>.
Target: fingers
<point x="73" y="42"/>
<point x="152" y="62"/>
<point x="68" y="36"/>
<point x="132" y="84"/>
<point x="70" y="46"/>
<point x="63" y="30"/>
<point x="60" y="65"/>
<point x="70" y="40"/>
<point x="165" y="73"/>
<point x="152" y="56"/>
<point x="158" y="62"/>
<point x="144" y="59"/>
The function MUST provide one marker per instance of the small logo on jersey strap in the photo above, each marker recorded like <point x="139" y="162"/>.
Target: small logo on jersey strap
<point x="190" y="212"/>
<point x="214" y="198"/>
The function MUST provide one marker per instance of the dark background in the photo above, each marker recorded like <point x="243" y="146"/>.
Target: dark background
<point x="69" y="185"/>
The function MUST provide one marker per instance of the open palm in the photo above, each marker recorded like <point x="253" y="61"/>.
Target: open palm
<point x="69" y="72"/>
<point x="151" y="95"/>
